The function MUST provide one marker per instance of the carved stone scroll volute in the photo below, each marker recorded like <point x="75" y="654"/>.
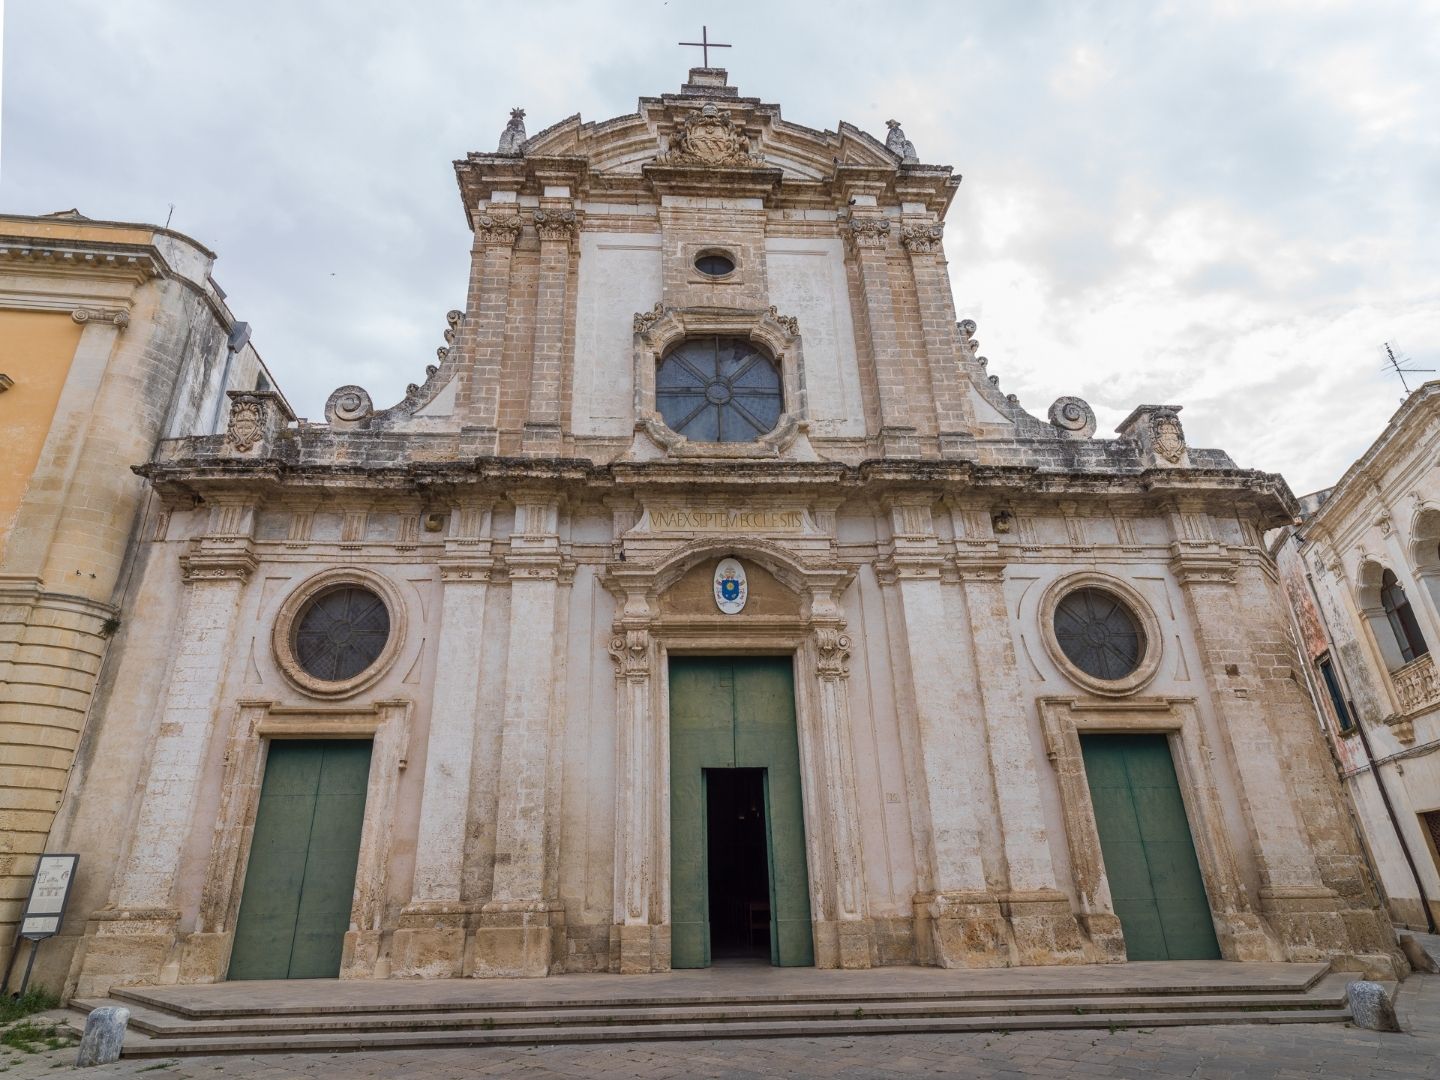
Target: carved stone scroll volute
<point x="832" y="653"/>
<point x="630" y="650"/>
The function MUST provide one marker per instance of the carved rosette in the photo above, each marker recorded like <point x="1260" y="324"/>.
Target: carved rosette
<point x="630" y="650"/>
<point x="868" y="232"/>
<point x="555" y="224"/>
<point x="497" y="231"/>
<point x="644" y="320"/>
<point x="832" y="653"/>
<point x="1074" y="417"/>
<point x="710" y="138"/>
<point x="923" y="239"/>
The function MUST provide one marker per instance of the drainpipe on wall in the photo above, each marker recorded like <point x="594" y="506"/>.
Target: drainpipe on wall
<point x="239" y="338"/>
<point x="1369" y="755"/>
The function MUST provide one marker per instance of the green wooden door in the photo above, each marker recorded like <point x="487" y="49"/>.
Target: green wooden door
<point x="1155" y="880"/>
<point x="300" y="880"/>
<point x="727" y="713"/>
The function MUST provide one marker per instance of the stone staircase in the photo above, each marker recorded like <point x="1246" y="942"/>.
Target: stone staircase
<point x="247" y="1018"/>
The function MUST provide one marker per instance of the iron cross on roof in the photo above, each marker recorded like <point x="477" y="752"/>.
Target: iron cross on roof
<point x="705" y="45"/>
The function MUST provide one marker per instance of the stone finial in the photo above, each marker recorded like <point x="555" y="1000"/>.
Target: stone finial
<point x="1073" y="417"/>
<point x="513" y="137"/>
<point x="898" y="144"/>
<point x="348" y="405"/>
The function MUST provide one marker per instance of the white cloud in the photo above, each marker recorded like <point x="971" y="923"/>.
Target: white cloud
<point x="1224" y="207"/>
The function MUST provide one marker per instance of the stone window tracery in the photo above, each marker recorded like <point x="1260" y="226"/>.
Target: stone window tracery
<point x="719" y="389"/>
<point x="1098" y="633"/>
<point x="341" y="632"/>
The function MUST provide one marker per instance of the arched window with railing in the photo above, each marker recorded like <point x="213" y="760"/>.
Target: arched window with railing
<point x="1398" y="613"/>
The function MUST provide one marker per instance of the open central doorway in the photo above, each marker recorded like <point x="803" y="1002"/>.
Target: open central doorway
<point x="739" y="884"/>
<point x="738" y="861"/>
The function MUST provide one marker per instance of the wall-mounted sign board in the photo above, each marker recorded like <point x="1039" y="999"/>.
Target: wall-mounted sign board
<point x="48" y="895"/>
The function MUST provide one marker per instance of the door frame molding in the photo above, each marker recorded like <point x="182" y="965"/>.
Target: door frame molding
<point x="643" y="638"/>
<point x="254" y="725"/>
<point x="1239" y="928"/>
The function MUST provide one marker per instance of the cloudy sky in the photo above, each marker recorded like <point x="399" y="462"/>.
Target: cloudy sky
<point x="1227" y="206"/>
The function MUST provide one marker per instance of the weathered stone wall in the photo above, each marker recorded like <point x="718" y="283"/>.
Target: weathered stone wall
<point x="145" y="357"/>
<point x="1381" y="516"/>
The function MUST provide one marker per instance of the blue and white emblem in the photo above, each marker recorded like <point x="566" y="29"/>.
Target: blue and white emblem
<point x="730" y="587"/>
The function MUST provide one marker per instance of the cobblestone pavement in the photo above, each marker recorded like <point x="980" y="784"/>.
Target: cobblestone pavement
<point x="1221" y="1052"/>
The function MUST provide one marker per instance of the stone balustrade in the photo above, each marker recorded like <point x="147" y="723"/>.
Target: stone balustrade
<point x="1416" y="686"/>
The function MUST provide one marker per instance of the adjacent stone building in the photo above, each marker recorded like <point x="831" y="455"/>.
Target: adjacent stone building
<point x="705" y="598"/>
<point x="1362" y="572"/>
<point x="112" y="337"/>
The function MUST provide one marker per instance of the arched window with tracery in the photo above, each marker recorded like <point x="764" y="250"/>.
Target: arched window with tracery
<point x="1401" y="618"/>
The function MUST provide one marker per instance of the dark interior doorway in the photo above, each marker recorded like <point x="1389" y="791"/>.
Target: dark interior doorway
<point x="738" y="864"/>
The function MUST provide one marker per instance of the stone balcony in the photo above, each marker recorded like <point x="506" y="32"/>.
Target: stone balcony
<point x="1417" y="690"/>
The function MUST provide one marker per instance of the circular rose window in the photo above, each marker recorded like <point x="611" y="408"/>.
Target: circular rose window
<point x="1099" y="634"/>
<point x="340" y="633"/>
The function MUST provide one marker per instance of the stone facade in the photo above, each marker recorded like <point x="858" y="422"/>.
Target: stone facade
<point x="544" y="541"/>
<point x="1382" y="517"/>
<point x="114" y="337"/>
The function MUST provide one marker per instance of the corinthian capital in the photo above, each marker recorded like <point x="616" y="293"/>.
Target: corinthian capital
<point x="868" y="232"/>
<point x="922" y="239"/>
<point x="555" y="224"/>
<point x="496" y="230"/>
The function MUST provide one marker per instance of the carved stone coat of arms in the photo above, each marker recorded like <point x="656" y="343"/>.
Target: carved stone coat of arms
<point x="709" y="137"/>
<point x="1169" y="436"/>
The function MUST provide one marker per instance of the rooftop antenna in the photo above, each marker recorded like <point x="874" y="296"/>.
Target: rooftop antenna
<point x="169" y="215"/>
<point x="1400" y="365"/>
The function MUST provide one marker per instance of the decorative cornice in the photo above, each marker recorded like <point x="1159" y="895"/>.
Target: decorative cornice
<point x="497" y="231"/>
<point x="923" y="239"/>
<point x="219" y="566"/>
<point x="83" y="258"/>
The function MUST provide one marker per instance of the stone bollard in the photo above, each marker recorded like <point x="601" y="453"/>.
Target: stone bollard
<point x="1419" y="959"/>
<point x="1371" y="1007"/>
<point x="104" y="1032"/>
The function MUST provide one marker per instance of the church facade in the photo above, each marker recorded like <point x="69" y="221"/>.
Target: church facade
<point x="706" y="598"/>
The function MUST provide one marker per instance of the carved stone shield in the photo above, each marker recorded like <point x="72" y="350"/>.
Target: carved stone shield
<point x="1169" y="437"/>
<point x="245" y="427"/>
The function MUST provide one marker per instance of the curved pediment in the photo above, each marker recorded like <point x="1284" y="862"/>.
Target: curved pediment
<point x="730" y="131"/>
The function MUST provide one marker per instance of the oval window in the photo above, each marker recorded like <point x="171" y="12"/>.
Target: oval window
<point x="1099" y="634"/>
<point x="718" y="389"/>
<point x="713" y="264"/>
<point x="341" y="631"/>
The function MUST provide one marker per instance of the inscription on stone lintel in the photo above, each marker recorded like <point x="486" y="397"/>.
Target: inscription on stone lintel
<point x="722" y="519"/>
